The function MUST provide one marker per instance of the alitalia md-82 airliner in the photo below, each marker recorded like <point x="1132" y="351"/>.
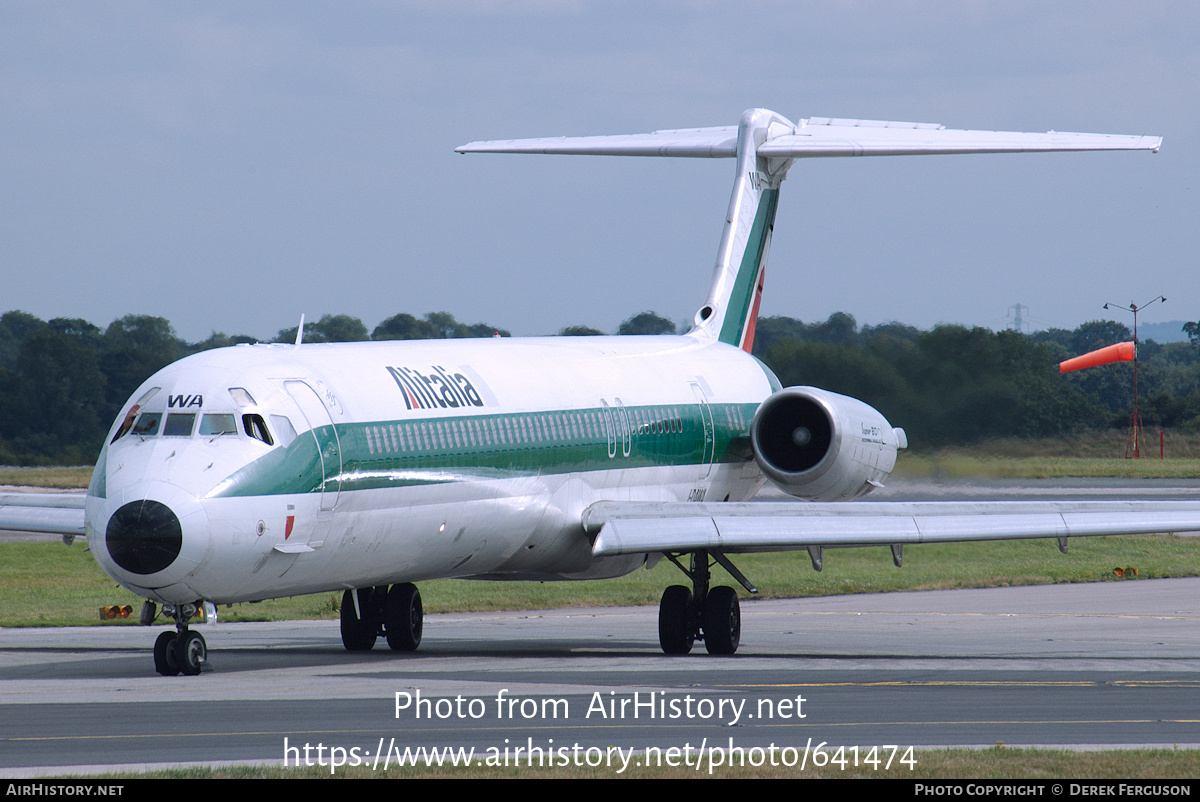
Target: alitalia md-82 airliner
<point x="261" y="471"/>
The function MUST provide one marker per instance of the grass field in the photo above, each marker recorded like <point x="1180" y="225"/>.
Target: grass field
<point x="67" y="478"/>
<point x="1094" y="454"/>
<point x="48" y="584"/>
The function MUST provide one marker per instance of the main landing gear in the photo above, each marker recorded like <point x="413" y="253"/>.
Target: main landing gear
<point x="183" y="651"/>
<point x="396" y="613"/>
<point x="713" y="616"/>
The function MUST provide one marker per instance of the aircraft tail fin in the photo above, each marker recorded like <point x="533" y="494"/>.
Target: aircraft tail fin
<point x="766" y="145"/>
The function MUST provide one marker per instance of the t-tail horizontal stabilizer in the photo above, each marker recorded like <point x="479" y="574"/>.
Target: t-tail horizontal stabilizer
<point x="766" y="145"/>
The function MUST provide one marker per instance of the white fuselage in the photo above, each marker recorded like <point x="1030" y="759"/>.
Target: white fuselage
<point x="402" y="461"/>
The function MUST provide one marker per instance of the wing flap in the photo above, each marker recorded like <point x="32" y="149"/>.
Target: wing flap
<point x="622" y="528"/>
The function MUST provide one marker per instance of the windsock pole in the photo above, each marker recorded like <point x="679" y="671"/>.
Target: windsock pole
<point x="1134" y="441"/>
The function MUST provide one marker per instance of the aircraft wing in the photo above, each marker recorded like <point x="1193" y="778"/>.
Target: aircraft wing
<point x="819" y="137"/>
<point x="636" y="527"/>
<point x="51" y="513"/>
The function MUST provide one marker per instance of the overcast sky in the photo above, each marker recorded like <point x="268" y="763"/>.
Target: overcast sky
<point x="230" y="165"/>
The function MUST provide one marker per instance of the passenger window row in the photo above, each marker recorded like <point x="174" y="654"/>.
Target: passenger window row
<point x="535" y="429"/>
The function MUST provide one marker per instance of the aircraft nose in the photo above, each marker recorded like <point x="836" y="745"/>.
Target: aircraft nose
<point x="154" y="541"/>
<point x="144" y="537"/>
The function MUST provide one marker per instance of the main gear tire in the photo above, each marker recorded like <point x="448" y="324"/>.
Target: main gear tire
<point x="403" y="618"/>
<point x="675" y="631"/>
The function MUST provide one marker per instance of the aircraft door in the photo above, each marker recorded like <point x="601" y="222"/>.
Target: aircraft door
<point x="710" y="436"/>
<point x="322" y="430"/>
<point x="625" y="428"/>
<point x="609" y="429"/>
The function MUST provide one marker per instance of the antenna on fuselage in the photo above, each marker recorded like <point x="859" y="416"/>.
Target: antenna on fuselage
<point x="300" y="329"/>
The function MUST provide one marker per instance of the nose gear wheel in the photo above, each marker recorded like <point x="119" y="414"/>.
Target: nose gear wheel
<point x="183" y="651"/>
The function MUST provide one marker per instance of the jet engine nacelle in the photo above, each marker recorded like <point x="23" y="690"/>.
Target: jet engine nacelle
<point x="821" y="446"/>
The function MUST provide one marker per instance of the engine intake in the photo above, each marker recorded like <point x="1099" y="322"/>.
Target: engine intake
<point x="821" y="446"/>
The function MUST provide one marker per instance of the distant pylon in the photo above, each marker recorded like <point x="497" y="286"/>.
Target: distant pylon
<point x="1015" y="311"/>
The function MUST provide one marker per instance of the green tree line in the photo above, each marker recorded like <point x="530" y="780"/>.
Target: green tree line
<point x="956" y="385"/>
<point x="63" y="381"/>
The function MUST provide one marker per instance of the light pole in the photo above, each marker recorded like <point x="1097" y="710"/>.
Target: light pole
<point x="1135" y="440"/>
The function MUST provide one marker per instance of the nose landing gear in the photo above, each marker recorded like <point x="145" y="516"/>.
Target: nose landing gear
<point x="183" y="651"/>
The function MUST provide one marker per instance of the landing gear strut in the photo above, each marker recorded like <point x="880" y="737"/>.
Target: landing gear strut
<point x="713" y="616"/>
<point x="395" y="613"/>
<point x="183" y="651"/>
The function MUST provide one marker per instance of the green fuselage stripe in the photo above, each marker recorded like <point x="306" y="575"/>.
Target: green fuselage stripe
<point x="402" y="453"/>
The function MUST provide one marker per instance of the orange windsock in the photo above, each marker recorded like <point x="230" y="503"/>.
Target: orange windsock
<point x="1121" y="352"/>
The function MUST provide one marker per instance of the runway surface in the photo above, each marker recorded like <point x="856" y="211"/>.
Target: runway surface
<point x="1077" y="665"/>
<point x="1083" y="666"/>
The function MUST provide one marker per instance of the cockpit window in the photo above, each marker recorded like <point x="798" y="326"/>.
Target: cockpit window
<point x="241" y="396"/>
<point x="146" y="396"/>
<point x="285" y="430"/>
<point x="147" y="424"/>
<point x="127" y="423"/>
<point x="215" y="424"/>
<point x="179" y="424"/>
<point x="256" y="427"/>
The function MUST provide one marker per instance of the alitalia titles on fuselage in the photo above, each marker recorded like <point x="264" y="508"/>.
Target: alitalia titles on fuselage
<point x="435" y="388"/>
